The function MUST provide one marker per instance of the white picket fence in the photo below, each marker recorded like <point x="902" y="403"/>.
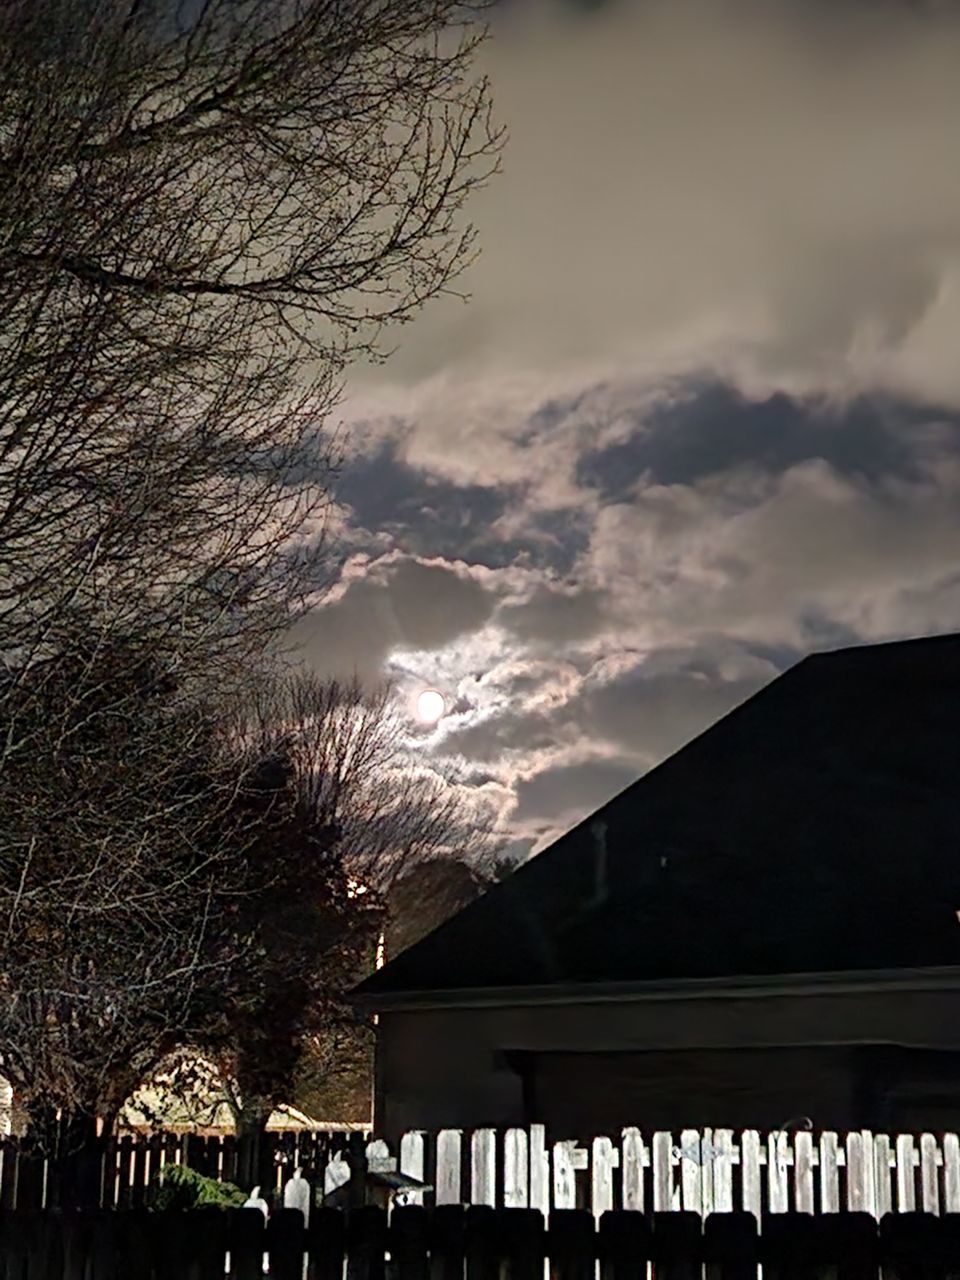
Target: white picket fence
<point x="704" y="1171"/>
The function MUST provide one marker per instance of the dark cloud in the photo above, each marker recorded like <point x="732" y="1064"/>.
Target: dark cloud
<point x="399" y="603"/>
<point x="710" y="429"/>
<point x="489" y="739"/>
<point x="571" y="789"/>
<point x="556" y="615"/>
<point x="652" y="709"/>
<point x="550" y="540"/>
<point x="423" y="515"/>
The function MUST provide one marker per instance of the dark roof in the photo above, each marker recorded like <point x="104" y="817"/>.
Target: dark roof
<point x="816" y="828"/>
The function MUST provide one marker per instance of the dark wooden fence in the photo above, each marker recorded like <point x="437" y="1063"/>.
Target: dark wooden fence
<point x="476" y="1243"/>
<point x="126" y="1166"/>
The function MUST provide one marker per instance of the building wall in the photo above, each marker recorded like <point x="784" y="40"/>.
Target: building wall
<point x="744" y="1061"/>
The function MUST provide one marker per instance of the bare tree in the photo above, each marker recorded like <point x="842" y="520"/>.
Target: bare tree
<point x="123" y="841"/>
<point x="207" y="209"/>
<point x="362" y="815"/>
<point x="358" y="771"/>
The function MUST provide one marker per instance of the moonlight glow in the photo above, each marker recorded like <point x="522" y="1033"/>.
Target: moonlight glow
<point x="430" y="706"/>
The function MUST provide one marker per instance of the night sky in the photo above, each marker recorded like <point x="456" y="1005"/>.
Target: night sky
<point x="702" y="412"/>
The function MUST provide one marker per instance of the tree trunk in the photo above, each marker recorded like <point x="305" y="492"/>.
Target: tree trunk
<point x="75" y="1152"/>
<point x="253" y="1169"/>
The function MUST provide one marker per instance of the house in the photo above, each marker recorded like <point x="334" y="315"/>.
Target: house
<point x="764" y="926"/>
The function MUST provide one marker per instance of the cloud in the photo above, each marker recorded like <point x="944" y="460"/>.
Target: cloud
<point x="812" y="529"/>
<point x="392" y="603"/>
<point x="758" y="556"/>
<point x="556" y="614"/>
<point x="570" y="790"/>
<point x="700" y="415"/>
<point x="766" y="190"/>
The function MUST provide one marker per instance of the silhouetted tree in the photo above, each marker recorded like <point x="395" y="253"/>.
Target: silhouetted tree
<point x="122" y="842"/>
<point x="206" y="211"/>
<point x="343" y="812"/>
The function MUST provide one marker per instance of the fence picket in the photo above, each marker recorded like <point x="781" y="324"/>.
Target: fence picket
<point x="803" y="1172"/>
<point x="449" y="1155"/>
<point x="691" y="1155"/>
<point x="516" y="1177"/>
<point x="706" y="1173"/>
<point x="750" y="1172"/>
<point x="412" y="1162"/>
<point x="564" y="1176"/>
<point x="859" y="1172"/>
<point x="929" y="1181"/>
<point x="829" y="1174"/>
<point x="778" y="1192"/>
<point x="855" y="1164"/>
<point x="601" y="1182"/>
<point x="484" y="1167"/>
<point x="723" y="1154"/>
<point x="906" y="1185"/>
<point x="662" y="1172"/>
<point x="951" y="1173"/>
<point x="631" y="1168"/>
<point x="480" y="1243"/>
<point x="869" y="1173"/>
<point x="539" y="1169"/>
<point x="882" y="1160"/>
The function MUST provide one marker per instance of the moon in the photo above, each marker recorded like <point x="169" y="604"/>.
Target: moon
<point x="430" y="706"/>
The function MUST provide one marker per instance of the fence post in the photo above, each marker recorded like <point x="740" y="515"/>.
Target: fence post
<point x="789" y="1247"/>
<point x="212" y="1239"/>
<point x="140" y="1242"/>
<point x="247" y="1232"/>
<point x="356" y="1158"/>
<point x="104" y="1246"/>
<point x="366" y="1243"/>
<point x="480" y="1244"/>
<point x="75" y="1228"/>
<point x="913" y="1246"/>
<point x="851" y="1243"/>
<point x="44" y="1254"/>
<point x="571" y="1244"/>
<point x="623" y="1245"/>
<point x="730" y="1246"/>
<point x="408" y="1242"/>
<point x="327" y="1243"/>
<point x="677" y="1245"/>
<point x="447" y="1242"/>
<point x="285" y="1242"/>
<point x="520" y="1237"/>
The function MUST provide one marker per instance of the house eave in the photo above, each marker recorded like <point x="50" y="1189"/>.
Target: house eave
<point x="734" y="987"/>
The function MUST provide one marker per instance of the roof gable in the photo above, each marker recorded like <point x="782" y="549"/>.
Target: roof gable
<point x="813" y="828"/>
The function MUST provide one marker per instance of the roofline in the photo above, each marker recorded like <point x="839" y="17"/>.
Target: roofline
<point x="941" y="977"/>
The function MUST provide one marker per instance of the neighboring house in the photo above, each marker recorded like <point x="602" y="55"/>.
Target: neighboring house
<point x="764" y="926"/>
